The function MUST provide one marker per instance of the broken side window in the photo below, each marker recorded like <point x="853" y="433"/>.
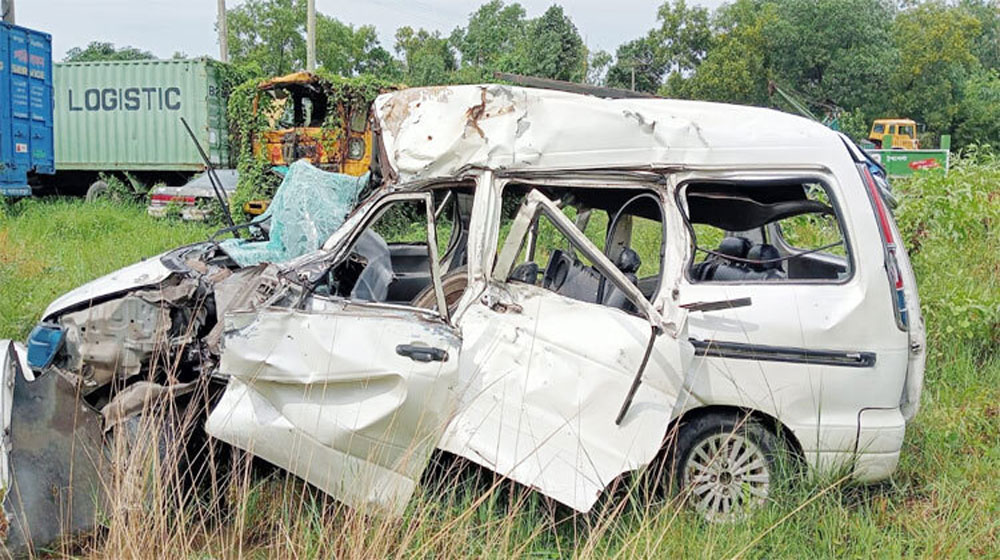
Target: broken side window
<point x="773" y="231"/>
<point x="625" y="224"/>
<point x="390" y="260"/>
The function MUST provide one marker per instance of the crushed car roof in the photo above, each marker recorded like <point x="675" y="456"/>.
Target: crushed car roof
<point x="439" y="132"/>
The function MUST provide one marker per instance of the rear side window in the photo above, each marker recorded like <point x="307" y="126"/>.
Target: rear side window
<point x="765" y="232"/>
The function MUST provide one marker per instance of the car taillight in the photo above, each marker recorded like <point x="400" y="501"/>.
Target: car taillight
<point x="168" y="198"/>
<point x="889" y="243"/>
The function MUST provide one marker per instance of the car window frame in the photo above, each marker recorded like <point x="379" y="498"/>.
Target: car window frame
<point x="637" y="187"/>
<point x="539" y="204"/>
<point x="371" y="215"/>
<point x="826" y="181"/>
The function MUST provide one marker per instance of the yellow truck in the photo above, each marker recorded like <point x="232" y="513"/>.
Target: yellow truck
<point x="902" y="131"/>
<point x="300" y="118"/>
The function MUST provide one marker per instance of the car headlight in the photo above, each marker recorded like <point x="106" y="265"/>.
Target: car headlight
<point x="43" y="343"/>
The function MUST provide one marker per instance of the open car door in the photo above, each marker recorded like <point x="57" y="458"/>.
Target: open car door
<point x="351" y="393"/>
<point x="564" y="392"/>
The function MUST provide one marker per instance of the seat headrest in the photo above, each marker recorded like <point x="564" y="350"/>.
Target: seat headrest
<point x="628" y="261"/>
<point x="764" y="252"/>
<point x="734" y="247"/>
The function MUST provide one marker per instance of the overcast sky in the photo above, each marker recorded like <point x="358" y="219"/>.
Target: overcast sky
<point x="166" y="26"/>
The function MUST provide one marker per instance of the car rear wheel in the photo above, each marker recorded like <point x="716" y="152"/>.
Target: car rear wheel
<point x="727" y="465"/>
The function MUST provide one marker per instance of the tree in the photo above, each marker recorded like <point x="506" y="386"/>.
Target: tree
<point x="987" y="45"/>
<point x="267" y="37"/>
<point x="492" y="31"/>
<point x="736" y="67"/>
<point x="979" y="114"/>
<point x="428" y="58"/>
<point x="677" y="45"/>
<point x="838" y="51"/>
<point x="550" y="47"/>
<point x="98" y="50"/>
<point x="598" y="64"/>
<point x="935" y="43"/>
<point x="683" y="37"/>
<point x="638" y="65"/>
<point x="345" y="50"/>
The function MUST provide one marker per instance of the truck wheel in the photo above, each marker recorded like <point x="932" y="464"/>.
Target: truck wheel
<point x="98" y="189"/>
<point x="727" y="464"/>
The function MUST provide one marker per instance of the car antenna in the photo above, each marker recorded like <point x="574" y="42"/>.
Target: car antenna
<point x="212" y="178"/>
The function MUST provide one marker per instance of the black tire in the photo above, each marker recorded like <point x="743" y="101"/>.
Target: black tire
<point x="98" y="189"/>
<point x="718" y="485"/>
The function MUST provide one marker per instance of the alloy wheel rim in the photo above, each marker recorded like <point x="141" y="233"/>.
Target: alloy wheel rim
<point x="726" y="475"/>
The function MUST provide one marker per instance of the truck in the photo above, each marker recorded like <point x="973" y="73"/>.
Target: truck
<point x="124" y="118"/>
<point x="902" y="133"/>
<point x="26" y="139"/>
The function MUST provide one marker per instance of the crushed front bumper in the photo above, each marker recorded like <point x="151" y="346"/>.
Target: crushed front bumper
<point x="51" y="457"/>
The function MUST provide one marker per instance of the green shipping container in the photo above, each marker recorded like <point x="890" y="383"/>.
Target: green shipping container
<point x="125" y="115"/>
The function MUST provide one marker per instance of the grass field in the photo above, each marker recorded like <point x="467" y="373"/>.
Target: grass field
<point x="943" y="502"/>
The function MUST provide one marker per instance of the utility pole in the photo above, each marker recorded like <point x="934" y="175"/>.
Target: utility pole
<point x="311" y="36"/>
<point x="7" y="7"/>
<point x="223" y="33"/>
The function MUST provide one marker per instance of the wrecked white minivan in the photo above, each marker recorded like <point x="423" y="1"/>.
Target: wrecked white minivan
<point x="559" y="288"/>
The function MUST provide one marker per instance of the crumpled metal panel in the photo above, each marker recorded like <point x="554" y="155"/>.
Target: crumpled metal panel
<point x="56" y="455"/>
<point x="144" y="273"/>
<point x="439" y="131"/>
<point x="115" y="337"/>
<point x="541" y="388"/>
<point x="327" y="397"/>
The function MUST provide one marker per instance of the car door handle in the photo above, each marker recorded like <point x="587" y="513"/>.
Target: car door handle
<point x="422" y="353"/>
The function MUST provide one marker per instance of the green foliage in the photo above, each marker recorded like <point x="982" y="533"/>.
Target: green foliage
<point x="855" y="123"/>
<point x="98" y="51"/>
<point x="677" y="46"/>
<point x="684" y="35"/>
<point x="935" y="44"/>
<point x="493" y="31"/>
<point x="951" y="227"/>
<point x="737" y="66"/>
<point x="839" y="50"/>
<point x="267" y="38"/>
<point x="979" y="114"/>
<point x="50" y="246"/>
<point x="256" y="181"/>
<point x="598" y="64"/>
<point x="124" y="188"/>
<point x="551" y="47"/>
<point x="428" y="58"/>
<point x="638" y="65"/>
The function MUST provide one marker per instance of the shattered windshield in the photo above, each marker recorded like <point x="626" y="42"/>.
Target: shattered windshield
<point x="308" y="207"/>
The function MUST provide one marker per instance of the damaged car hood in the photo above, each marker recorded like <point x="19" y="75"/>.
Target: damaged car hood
<point x="139" y="275"/>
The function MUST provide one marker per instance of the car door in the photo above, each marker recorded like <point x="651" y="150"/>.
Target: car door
<point x="559" y="394"/>
<point x="348" y="393"/>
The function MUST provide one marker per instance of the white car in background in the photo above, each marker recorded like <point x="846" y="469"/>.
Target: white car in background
<point x="195" y="199"/>
<point x="691" y="289"/>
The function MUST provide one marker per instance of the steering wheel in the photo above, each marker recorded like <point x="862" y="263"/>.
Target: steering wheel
<point x="613" y="226"/>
